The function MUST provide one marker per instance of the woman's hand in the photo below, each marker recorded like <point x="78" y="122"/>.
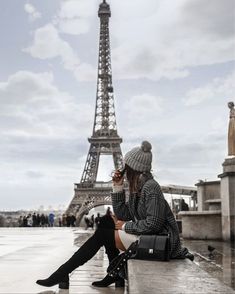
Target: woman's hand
<point x="119" y="224"/>
<point x="118" y="179"/>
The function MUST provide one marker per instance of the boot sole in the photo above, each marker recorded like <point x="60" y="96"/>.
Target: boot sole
<point x="63" y="285"/>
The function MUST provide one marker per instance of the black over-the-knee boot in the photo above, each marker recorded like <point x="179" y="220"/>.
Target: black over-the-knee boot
<point x="82" y="255"/>
<point x="108" y="280"/>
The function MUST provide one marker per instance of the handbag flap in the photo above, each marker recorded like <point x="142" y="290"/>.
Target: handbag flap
<point x="161" y="242"/>
<point x="157" y="242"/>
<point x="146" y="242"/>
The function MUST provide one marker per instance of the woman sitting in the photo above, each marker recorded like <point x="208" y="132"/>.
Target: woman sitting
<point x="146" y="212"/>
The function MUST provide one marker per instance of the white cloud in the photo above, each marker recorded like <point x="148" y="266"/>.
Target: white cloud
<point x="219" y="125"/>
<point x="32" y="12"/>
<point x="48" y="44"/>
<point x="42" y="132"/>
<point x="74" y="26"/>
<point x="144" y="106"/>
<point x="75" y="17"/>
<point x="141" y="113"/>
<point x="85" y="72"/>
<point x="219" y="87"/>
<point x="170" y="37"/>
<point x="24" y="86"/>
<point x="31" y="105"/>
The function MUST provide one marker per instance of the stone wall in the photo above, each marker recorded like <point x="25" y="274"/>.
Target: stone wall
<point x="201" y="225"/>
<point x="207" y="191"/>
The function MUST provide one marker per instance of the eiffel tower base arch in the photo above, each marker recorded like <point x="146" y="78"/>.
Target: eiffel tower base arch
<point x="86" y="198"/>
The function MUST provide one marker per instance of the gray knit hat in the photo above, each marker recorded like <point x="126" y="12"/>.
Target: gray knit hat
<point x="140" y="158"/>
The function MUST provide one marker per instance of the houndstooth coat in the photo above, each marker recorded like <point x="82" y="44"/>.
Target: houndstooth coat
<point x="148" y="212"/>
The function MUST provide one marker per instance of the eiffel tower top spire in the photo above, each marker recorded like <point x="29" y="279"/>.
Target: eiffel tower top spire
<point x="104" y="9"/>
<point x="105" y="120"/>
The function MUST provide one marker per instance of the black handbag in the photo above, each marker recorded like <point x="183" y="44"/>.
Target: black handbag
<point x="148" y="247"/>
<point x="153" y="247"/>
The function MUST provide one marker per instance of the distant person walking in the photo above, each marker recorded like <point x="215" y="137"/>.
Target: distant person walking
<point x="64" y="222"/>
<point x="25" y="221"/>
<point x="20" y="221"/>
<point x="92" y="221"/>
<point x="68" y="220"/>
<point x="51" y="219"/>
<point x="108" y="211"/>
<point x="43" y="220"/>
<point x="34" y="220"/>
<point x="38" y="220"/>
<point x="97" y="220"/>
<point x="30" y="220"/>
<point x="184" y="205"/>
<point x="60" y="222"/>
<point x="73" y="220"/>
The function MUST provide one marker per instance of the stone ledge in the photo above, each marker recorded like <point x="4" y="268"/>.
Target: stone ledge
<point x="205" y="212"/>
<point x="175" y="276"/>
<point x="227" y="174"/>
<point x="213" y="200"/>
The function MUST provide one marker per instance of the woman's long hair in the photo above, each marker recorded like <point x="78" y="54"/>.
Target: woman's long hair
<point x="133" y="178"/>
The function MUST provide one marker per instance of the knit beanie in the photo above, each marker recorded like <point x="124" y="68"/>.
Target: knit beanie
<point x="140" y="158"/>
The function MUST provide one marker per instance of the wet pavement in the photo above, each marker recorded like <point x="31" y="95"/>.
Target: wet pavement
<point x="28" y="254"/>
<point x="218" y="259"/>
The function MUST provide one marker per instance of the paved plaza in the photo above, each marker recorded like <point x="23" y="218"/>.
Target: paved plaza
<point x="28" y="254"/>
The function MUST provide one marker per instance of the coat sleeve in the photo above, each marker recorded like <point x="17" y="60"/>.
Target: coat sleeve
<point x="120" y="207"/>
<point x="155" y="213"/>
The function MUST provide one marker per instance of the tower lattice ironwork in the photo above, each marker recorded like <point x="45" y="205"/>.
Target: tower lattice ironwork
<point x="105" y="138"/>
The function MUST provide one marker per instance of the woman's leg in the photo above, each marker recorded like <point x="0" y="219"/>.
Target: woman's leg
<point x="101" y="237"/>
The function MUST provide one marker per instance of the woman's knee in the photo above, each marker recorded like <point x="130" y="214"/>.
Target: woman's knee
<point x="104" y="234"/>
<point x="118" y="241"/>
<point x="107" y="235"/>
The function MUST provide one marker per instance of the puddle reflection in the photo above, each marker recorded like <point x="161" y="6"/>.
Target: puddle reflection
<point x="219" y="262"/>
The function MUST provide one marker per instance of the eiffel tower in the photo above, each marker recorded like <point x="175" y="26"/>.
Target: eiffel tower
<point x="105" y="139"/>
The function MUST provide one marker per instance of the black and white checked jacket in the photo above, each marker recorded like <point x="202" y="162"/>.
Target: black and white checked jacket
<point x="148" y="213"/>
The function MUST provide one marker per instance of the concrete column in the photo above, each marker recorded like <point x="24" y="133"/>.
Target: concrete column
<point x="227" y="190"/>
<point x="200" y="196"/>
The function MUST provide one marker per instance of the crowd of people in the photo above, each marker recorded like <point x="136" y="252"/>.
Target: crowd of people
<point x="65" y="220"/>
<point x="93" y="221"/>
<point x="46" y="220"/>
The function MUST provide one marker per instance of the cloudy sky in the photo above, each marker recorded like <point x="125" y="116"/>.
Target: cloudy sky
<point x="173" y="74"/>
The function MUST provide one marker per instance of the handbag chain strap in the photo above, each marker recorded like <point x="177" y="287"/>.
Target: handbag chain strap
<point x="123" y="261"/>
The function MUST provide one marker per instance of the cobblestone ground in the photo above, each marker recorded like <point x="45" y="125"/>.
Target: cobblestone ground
<point x="28" y="254"/>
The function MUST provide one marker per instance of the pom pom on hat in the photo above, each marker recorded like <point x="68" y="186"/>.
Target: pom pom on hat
<point x="146" y="146"/>
<point x="140" y="158"/>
